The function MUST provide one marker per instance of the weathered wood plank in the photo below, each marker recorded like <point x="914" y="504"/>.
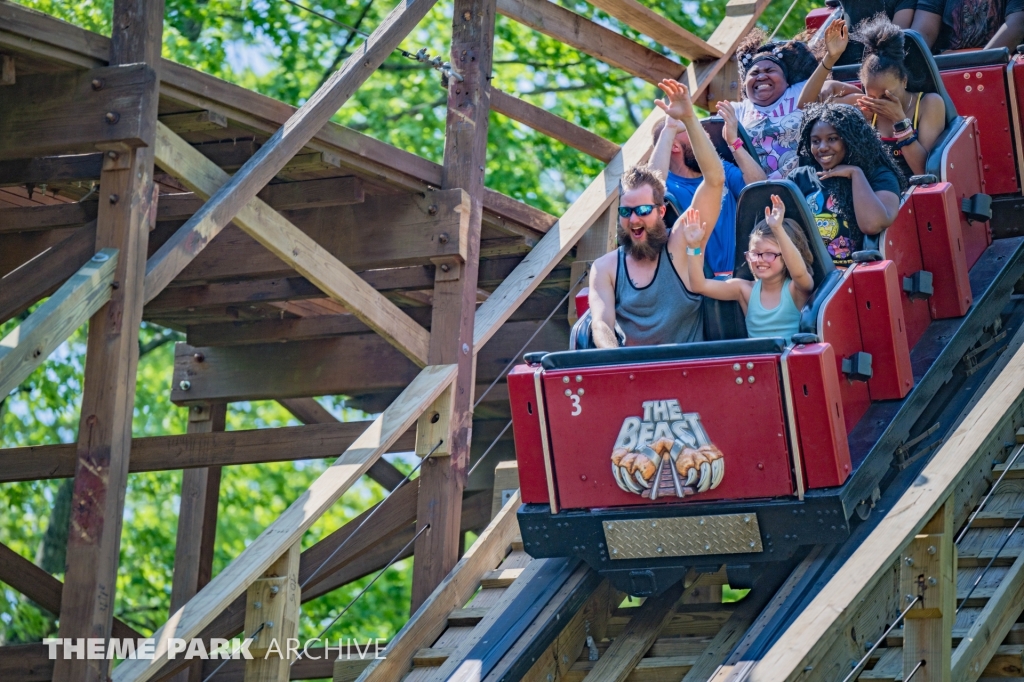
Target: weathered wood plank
<point x="294" y="521"/>
<point x="195" y="121"/>
<point x="30" y="343"/>
<point x="229" y="198"/>
<point x="662" y="30"/>
<point x="543" y="121"/>
<point x="590" y="38"/>
<point x="639" y="634"/>
<point x="195" y="450"/>
<point x="43" y="169"/>
<point x="429" y="621"/>
<point x="75" y="111"/>
<point x="442" y="478"/>
<point x="30" y="218"/>
<point x="25" y="286"/>
<point x="285" y="241"/>
<point x="992" y="625"/>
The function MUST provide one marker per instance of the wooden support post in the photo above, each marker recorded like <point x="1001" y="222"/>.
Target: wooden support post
<point x="595" y="242"/>
<point x="928" y="570"/>
<point x="197" y="524"/>
<point x="272" y="602"/>
<point x="7" y="74"/>
<point x="108" y="400"/>
<point x="451" y="339"/>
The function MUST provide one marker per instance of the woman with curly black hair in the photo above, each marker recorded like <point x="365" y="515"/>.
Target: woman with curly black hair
<point x="773" y="75"/>
<point x="851" y="184"/>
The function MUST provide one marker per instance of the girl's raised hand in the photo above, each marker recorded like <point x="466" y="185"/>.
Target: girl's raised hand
<point x="837" y="37"/>
<point x="775" y="214"/>
<point x="693" y="230"/>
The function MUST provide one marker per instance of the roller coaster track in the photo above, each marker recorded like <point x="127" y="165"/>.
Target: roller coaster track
<point x="503" y="616"/>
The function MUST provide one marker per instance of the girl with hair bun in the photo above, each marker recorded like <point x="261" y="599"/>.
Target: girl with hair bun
<point x="773" y="76"/>
<point x="908" y="120"/>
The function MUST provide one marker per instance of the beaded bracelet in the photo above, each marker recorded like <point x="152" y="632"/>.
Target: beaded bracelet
<point x="905" y="142"/>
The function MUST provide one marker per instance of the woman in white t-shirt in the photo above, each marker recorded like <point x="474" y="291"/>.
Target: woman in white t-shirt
<point x="773" y="77"/>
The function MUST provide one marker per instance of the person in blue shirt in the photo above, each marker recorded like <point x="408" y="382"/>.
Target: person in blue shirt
<point x="673" y="158"/>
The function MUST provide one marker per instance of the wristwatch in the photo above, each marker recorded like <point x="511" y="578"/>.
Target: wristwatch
<point x="901" y="126"/>
<point x="692" y="251"/>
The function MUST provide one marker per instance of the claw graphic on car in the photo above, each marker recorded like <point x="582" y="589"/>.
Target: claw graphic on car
<point x="666" y="453"/>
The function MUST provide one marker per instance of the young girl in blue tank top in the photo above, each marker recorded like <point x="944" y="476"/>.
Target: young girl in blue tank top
<point x="780" y="260"/>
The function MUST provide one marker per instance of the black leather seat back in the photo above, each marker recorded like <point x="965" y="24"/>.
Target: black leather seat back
<point x="750" y="211"/>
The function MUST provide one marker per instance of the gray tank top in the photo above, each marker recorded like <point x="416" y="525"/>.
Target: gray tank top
<point x="664" y="311"/>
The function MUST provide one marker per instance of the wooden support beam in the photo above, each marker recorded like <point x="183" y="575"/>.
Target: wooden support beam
<point x="454" y="299"/>
<point x="197" y="523"/>
<point x="639" y="634"/>
<point x="811" y="635"/>
<point x="928" y="569"/>
<point x="281" y="237"/>
<point x="590" y="38"/>
<point x="31" y="218"/>
<point x="311" y="368"/>
<point x="272" y="603"/>
<point x="231" y="197"/>
<point x="42" y="588"/>
<point x="7" y="71"/>
<point x="430" y="619"/>
<point x="45" y="169"/>
<point x="29" y="344"/>
<point x="288" y="528"/>
<point x="543" y="121"/>
<point x="198" y="450"/>
<point x="595" y="242"/>
<point x="76" y="111"/>
<point x="195" y="121"/>
<point x="661" y="30"/>
<point x="23" y="287"/>
<point x="309" y="411"/>
<point x="108" y="397"/>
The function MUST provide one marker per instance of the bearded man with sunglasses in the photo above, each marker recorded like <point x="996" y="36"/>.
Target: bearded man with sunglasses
<point x="643" y="285"/>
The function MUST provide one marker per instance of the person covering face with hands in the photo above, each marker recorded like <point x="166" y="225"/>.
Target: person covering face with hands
<point x="643" y="285"/>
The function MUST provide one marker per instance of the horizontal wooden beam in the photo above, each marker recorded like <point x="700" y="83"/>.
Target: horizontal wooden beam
<point x="76" y="111"/>
<point x="285" y="241"/>
<point x="189" y="621"/>
<point x="195" y="121"/>
<point x="195" y="450"/>
<point x="31" y="218"/>
<point x="42" y="275"/>
<point x="543" y="121"/>
<point x="42" y="588"/>
<point x="350" y="365"/>
<point x="661" y="30"/>
<point x="591" y="38"/>
<point x="28" y="345"/>
<point x="50" y="169"/>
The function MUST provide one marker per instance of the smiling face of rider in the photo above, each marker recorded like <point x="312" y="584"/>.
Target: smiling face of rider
<point x="765" y="83"/>
<point x="827" y="147"/>
<point x="643" y="236"/>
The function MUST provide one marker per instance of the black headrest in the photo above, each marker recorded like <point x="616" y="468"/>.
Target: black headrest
<point x="714" y="126"/>
<point x="972" y="58"/>
<point x="750" y="211"/>
<point x="920" y="63"/>
<point x="631" y="355"/>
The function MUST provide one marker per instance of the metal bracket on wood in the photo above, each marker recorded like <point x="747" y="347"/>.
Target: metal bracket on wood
<point x="272" y="601"/>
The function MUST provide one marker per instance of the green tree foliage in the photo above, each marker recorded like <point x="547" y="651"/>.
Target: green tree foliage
<point x="277" y="49"/>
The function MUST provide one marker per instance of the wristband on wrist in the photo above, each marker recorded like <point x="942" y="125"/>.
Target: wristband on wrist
<point x="737" y="143"/>
<point x="690" y="251"/>
<point x="827" y="67"/>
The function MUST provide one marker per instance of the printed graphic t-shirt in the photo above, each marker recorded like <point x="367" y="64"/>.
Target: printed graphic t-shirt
<point x="721" y="247"/>
<point x="841" y="235"/>
<point x="774" y="130"/>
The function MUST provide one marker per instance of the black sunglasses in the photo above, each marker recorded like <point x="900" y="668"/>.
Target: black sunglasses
<point x="642" y="210"/>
